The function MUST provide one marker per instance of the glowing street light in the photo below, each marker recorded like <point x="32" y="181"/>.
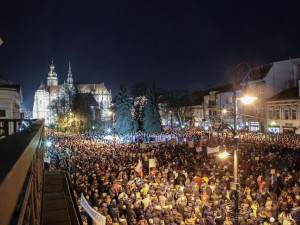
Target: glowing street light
<point x="247" y="99"/>
<point x="224" y="155"/>
<point x="49" y="143"/>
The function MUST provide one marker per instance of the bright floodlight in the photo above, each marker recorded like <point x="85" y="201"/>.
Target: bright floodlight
<point x="182" y="126"/>
<point x="108" y="130"/>
<point x="49" y="143"/>
<point x="93" y="127"/>
<point x="224" y="155"/>
<point x="248" y="99"/>
<point x="224" y="111"/>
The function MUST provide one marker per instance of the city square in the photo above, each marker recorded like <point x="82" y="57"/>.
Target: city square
<point x="150" y="113"/>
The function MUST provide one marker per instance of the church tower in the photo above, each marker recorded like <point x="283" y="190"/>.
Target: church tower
<point x="70" y="77"/>
<point x="52" y="79"/>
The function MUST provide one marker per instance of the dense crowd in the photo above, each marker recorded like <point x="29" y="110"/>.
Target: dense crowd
<point x="186" y="186"/>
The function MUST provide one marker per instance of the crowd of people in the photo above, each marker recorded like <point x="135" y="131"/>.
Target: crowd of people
<point x="187" y="186"/>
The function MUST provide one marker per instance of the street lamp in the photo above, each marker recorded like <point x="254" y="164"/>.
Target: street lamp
<point x="224" y="154"/>
<point x="171" y="119"/>
<point x="246" y="100"/>
<point x="114" y="125"/>
<point x="49" y="143"/>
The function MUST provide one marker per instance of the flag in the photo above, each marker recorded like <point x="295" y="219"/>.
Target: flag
<point x="211" y="150"/>
<point x="139" y="168"/>
<point x="97" y="217"/>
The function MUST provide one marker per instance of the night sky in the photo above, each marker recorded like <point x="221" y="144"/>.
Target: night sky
<point x="178" y="44"/>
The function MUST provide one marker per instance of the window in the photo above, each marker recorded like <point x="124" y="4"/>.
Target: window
<point x="207" y="113"/>
<point x="207" y="102"/>
<point x="261" y="94"/>
<point x="2" y="113"/>
<point x="230" y="100"/>
<point x="294" y="114"/>
<point x="286" y="114"/>
<point x="270" y="114"/>
<point x="277" y="115"/>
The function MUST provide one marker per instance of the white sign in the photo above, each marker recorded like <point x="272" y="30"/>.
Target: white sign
<point x="97" y="217"/>
<point x="211" y="150"/>
<point x="152" y="163"/>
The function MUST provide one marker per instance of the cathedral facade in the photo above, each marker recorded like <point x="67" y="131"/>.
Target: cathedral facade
<point x="54" y="98"/>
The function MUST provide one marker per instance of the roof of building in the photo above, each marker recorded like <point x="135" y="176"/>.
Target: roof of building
<point x="4" y="81"/>
<point x="221" y="88"/>
<point x="92" y="88"/>
<point x="257" y="73"/>
<point x="291" y="93"/>
<point x="16" y="87"/>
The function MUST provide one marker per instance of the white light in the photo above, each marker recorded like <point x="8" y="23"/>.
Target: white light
<point x="108" y="130"/>
<point x="224" y="155"/>
<point x="248" y="99"/>
<point x="93" y="127"/>
<point x="49" y="143"/>
<point x="182" y="126"/>
<point x="196" y="124"/>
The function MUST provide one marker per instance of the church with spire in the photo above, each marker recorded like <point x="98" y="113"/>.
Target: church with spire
<point x="54" y="98"/>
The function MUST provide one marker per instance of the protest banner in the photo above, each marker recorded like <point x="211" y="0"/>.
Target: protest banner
<point x="97" y="217"/>
<point x="152" y="163"/>
<point x="211" y="150"/>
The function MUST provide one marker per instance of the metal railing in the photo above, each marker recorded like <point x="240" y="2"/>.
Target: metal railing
<point x="22" y="184"/>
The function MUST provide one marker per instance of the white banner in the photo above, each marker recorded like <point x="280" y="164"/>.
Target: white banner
<point x="152" y="163"/>
<point x="213" y="150"/>
<point x="97" y="217"/>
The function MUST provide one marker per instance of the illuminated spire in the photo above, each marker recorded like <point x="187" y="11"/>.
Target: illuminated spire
<point x="52" y="75"/>
<point x="70" y="77"/>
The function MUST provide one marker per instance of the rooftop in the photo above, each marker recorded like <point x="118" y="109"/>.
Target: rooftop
<point x="291" y="93"/>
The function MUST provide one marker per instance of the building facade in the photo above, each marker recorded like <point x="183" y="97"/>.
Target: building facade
<point x="264" y="82"/>
<point x="10" y="101"/>
<point x="283" y="112"/>
<point x="218" y="107"/>
<point x="52" y="98"/>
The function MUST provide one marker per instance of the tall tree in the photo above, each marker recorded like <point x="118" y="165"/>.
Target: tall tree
<point x="123" y="113"/>
<point x="152" y="121"/>
<point x="179" y="101"/>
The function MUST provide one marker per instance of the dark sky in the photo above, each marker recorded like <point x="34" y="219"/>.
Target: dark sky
<point x="186" y="44"/>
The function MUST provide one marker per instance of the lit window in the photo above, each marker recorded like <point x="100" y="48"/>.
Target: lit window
<point x="277" y="114"/>
<point x="294" y="114"/>
<point x="286" y="114"/>
<point x="271" y="114"/>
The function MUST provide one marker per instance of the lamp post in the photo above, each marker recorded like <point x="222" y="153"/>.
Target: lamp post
<point x="112" y="113"/>
<point x="171" y="119"/>
<point x="247" y="100"/>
